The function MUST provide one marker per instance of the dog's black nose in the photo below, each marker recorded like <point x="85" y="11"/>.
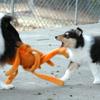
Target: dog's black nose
<point x="56" y="37"/>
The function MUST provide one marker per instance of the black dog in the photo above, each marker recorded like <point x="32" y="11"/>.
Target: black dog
<point x="9" y="38"/>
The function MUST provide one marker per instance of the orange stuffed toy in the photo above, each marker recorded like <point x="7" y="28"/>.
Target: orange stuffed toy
<point x="31" y="59"/>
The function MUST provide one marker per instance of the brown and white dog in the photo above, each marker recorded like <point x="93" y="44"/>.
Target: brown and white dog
<point x="83" y="50"/>
<point x="9" y="38"/>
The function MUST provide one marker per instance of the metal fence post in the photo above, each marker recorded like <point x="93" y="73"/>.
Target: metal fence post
<point x="12" y="7"/>
<point x="76" y="12"/>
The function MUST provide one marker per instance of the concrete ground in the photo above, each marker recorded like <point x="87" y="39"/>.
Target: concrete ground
<point x="29" y="87"/>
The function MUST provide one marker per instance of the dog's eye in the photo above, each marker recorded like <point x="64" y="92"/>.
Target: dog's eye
<point x="65" y="35"/>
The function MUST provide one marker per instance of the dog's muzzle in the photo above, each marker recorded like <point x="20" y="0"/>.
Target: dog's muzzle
<point x="62" y="45"/>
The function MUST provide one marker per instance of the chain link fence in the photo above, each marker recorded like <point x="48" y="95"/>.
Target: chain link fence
<point x="51" y="13"/>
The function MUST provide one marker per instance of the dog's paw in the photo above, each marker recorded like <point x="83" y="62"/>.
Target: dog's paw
<point x="66" y="75"/>
<point x="6" y="86"/>
<point x="96" y="82"/>
<point x="64" y="78"/>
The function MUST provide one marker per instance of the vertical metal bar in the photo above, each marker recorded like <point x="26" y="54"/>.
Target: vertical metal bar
<point x="76" y="13"/>
<point x="12" y="7"/>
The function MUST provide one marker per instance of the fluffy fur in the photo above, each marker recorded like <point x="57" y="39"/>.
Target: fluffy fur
<point x="79" y="44"/>
<point x="9" y="38"/>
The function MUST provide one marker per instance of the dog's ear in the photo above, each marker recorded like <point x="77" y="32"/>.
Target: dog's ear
<point x="79" y="31"/>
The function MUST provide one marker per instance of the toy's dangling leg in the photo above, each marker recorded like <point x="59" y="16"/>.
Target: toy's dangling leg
<point x="11" y="77"/>
<point x="50" y="63"/>
<point x="54" y="52"/>
<point x="36" y="63"/>
<point x="15" y="64"/>
<point x="41" y="54"/>
<point x="50" y="78"/>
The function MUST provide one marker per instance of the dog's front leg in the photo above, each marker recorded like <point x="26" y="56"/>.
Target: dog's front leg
<point x="95" y="72"/>
<point x="71" y="68"/>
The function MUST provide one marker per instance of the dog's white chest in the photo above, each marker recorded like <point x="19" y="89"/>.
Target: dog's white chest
<point x="80" y="55"/>
<point x="2" y="44"/>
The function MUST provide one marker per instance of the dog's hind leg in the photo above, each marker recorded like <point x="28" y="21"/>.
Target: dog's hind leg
<point x="96" y="74"/>
<point x="71" y="68"/>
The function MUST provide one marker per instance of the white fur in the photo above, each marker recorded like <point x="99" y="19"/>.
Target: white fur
<point x="66" y="75"/>
<point x="69" y="71"/>
<point x="1" y="15"/>
<point x="96" y="72"/>
<point x="81" y="56"/>
<point x="2" y="84"/>
<point x="2" y="46"/>
<point x="5" y="86"/>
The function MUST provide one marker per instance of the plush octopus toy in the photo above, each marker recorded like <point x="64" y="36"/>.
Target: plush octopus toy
<point x="31" y="59"/>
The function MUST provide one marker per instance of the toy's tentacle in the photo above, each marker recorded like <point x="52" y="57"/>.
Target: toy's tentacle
<point x="17" y="61"/>
<point x="15" y="64"/>
<point x="37" y="62"/>
<point x="50" y="63"/>
<point x="50" y="78"/>
<point x="39" y="52"/>
<point x="54" y="52"/>
<point x="63" y="51"/>
<point x="11" y="77"/>
<point x="48" y="56"/>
